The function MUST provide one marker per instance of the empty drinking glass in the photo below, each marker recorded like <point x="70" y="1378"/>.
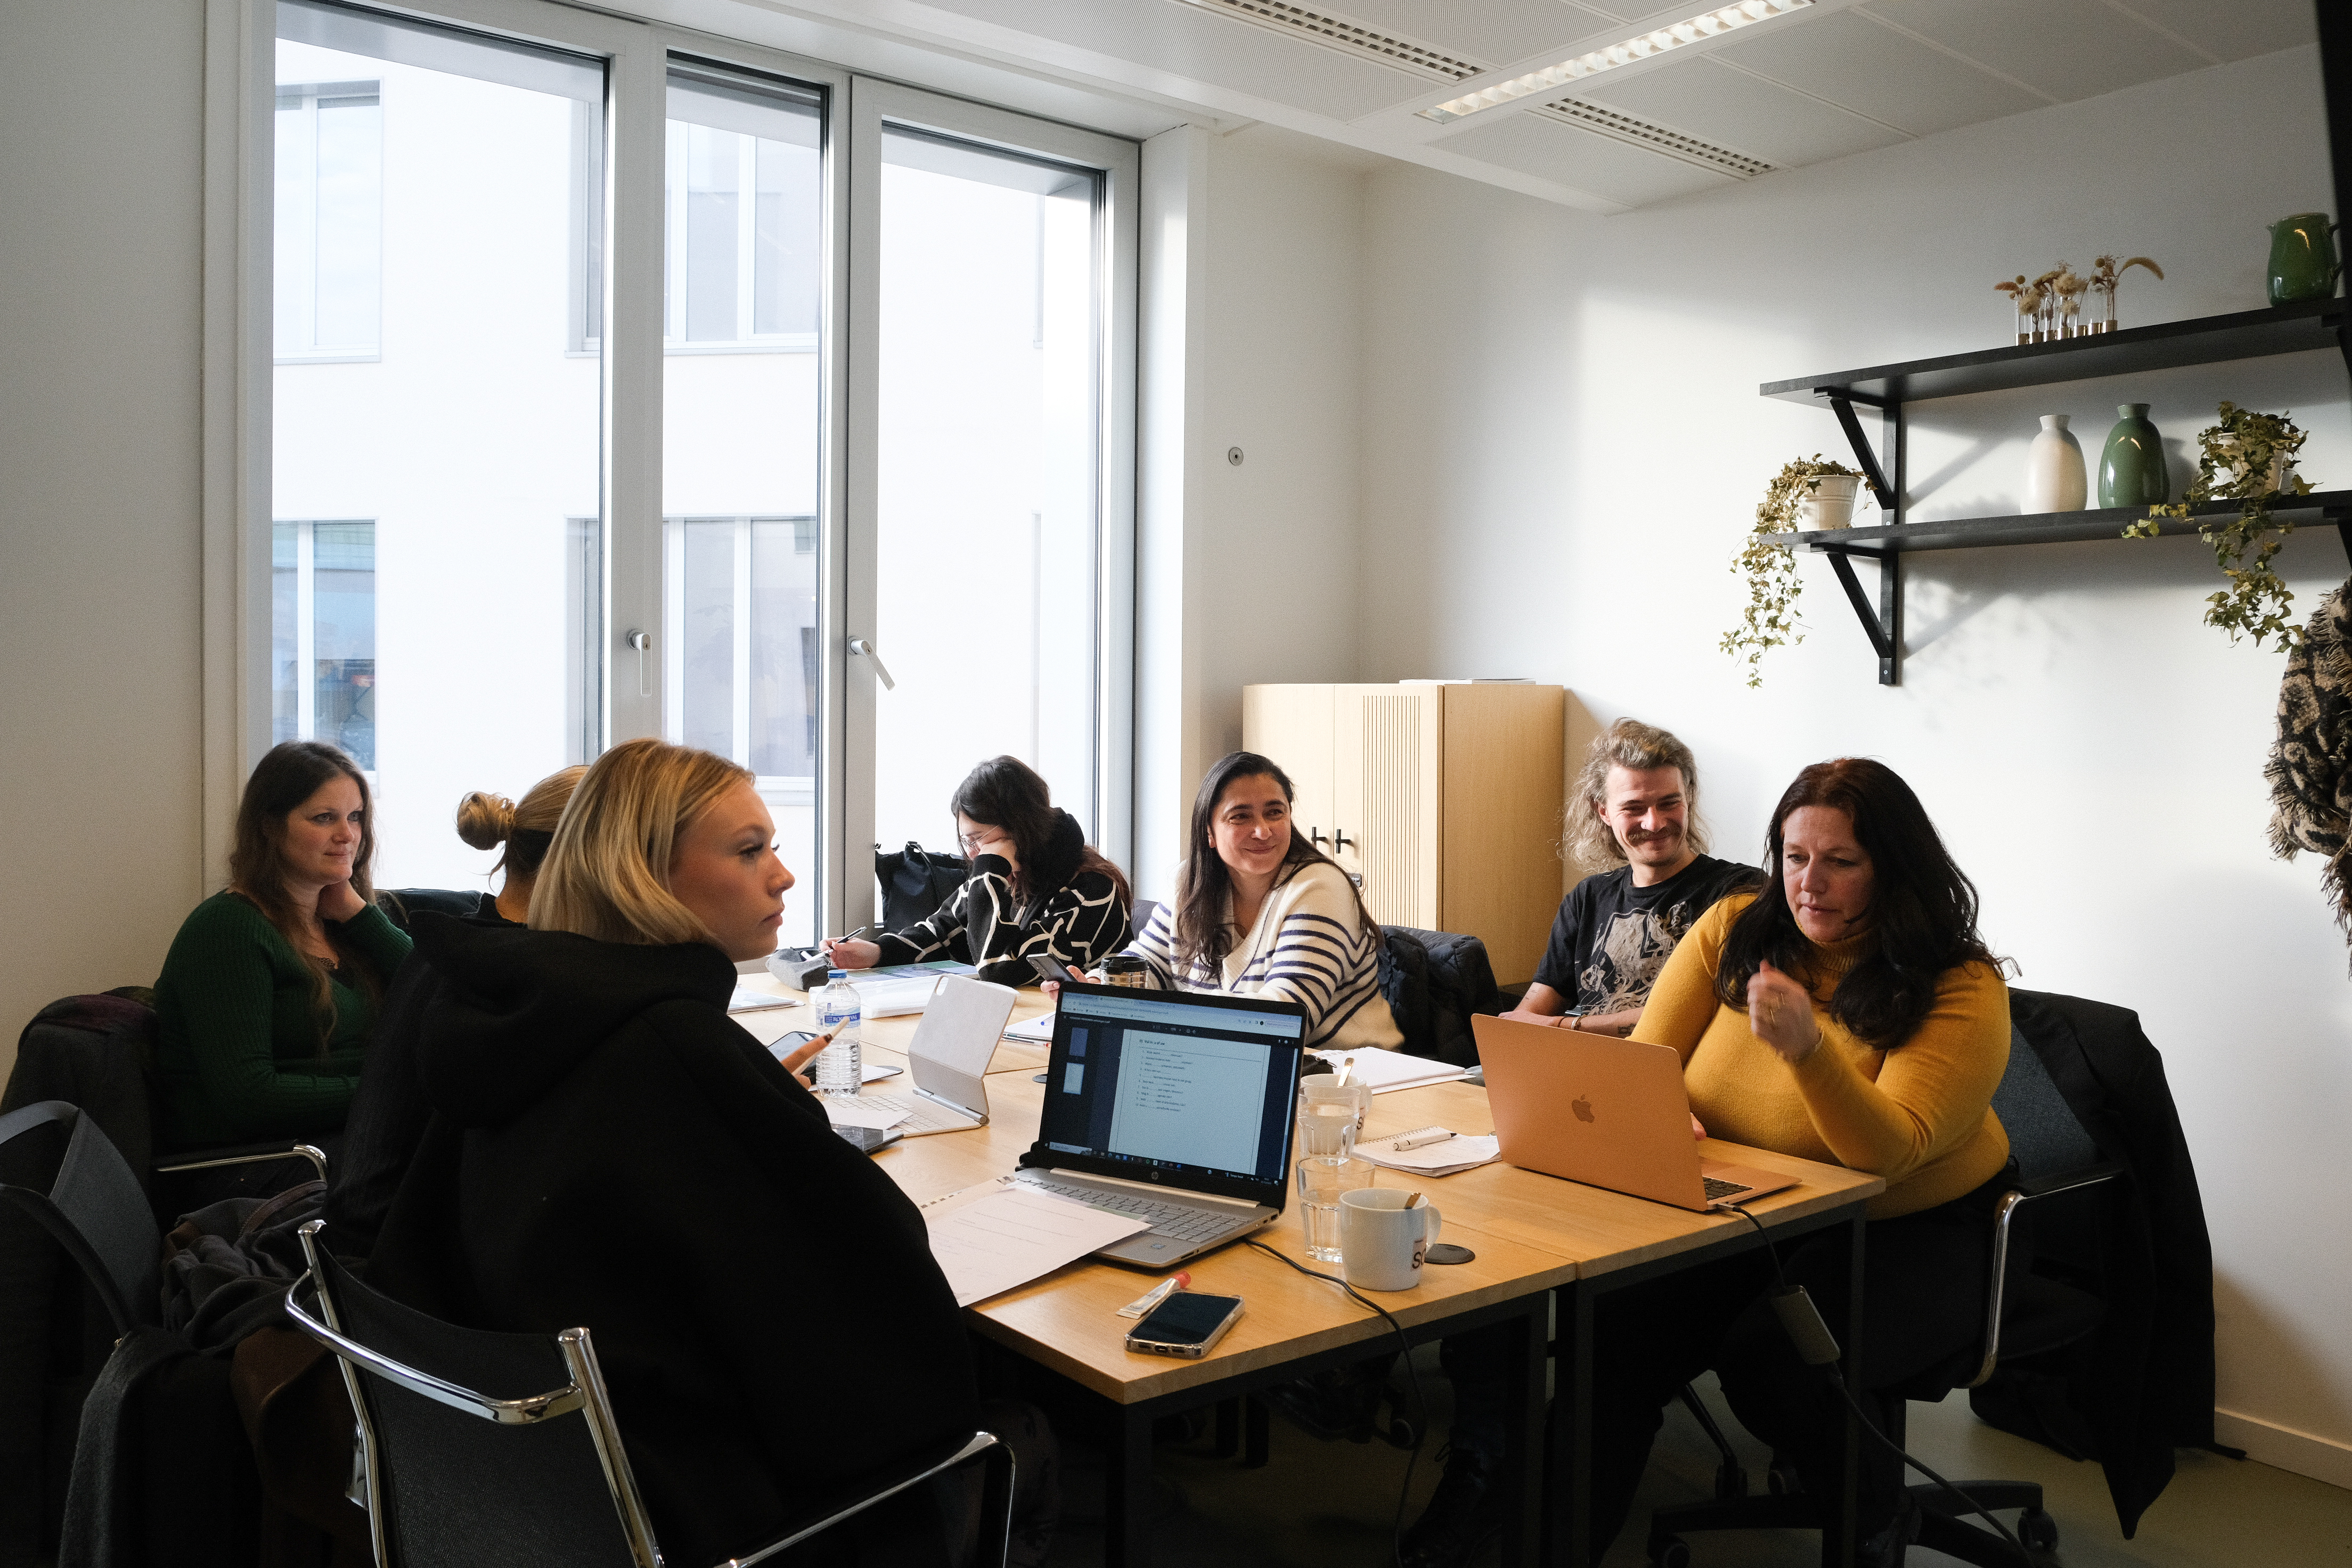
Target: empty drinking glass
<point x="1322" y="1179"/>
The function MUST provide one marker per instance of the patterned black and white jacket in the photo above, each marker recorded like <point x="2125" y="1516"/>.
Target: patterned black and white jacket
<point x="1310" y="945"/>
<point x="1082" y="922"/>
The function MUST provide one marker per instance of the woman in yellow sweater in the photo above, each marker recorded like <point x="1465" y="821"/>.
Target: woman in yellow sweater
<point x="1847" y="1012"/>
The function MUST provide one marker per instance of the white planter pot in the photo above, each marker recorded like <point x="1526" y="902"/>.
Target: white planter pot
<point x="2055" y="476"/>
<point x="1830" y="504"/>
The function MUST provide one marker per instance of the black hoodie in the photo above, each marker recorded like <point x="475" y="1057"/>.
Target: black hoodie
<point x="609" y="1149"/>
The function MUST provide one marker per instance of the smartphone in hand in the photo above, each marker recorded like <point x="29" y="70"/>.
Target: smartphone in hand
<point x="1055" y="969"/>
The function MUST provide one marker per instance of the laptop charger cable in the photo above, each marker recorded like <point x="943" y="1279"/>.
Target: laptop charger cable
<point x="1817" y="1347"/>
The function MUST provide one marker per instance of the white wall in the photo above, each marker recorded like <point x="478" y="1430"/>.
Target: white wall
<point x="100" y="494"/>
<point x="1563" y="447"/>
<point x="1246" y="572"/>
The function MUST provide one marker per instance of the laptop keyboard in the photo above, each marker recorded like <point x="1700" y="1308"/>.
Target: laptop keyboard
<point x="1178" y="1221"/>
<point x="1717" y="1190"/>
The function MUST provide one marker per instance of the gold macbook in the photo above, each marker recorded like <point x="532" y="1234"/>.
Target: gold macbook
<point x="1607" y="1112"/>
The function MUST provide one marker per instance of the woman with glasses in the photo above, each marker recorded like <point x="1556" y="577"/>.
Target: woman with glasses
<point x="1037" y="887"/>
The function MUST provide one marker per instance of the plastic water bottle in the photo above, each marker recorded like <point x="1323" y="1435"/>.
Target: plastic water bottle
<point x="840" y="1066"/>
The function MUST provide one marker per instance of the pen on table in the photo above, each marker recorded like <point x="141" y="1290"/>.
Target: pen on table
<point x="1420" y="1140"/>
<point x="1157" y="1294"/>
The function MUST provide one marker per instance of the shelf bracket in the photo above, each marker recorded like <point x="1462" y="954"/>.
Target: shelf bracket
<point x="2343" y="521"/>
<point x="1884" y="624"/>
<point x="1842" y="401"/>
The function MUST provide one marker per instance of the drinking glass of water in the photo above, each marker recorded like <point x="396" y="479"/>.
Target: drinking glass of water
<point x="1322" y="1179"/>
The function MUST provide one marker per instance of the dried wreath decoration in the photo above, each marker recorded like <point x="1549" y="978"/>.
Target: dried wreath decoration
<point x="2246" y="457"/>
<point x="1772" y="619"/>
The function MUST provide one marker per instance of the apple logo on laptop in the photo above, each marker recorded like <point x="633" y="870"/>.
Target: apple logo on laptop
<point x="1583" y="1107"/>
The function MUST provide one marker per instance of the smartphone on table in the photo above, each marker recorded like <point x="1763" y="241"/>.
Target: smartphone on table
<point x="1188" y="1323"/>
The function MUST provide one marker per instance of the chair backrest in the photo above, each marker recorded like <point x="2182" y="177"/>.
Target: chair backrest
<point x="94" y="1208"/>
<point x="1139" y="912"/>
<point x="2044" y="1134"/>
<point x="96" y="1052"/>
<point x="471" y="1454"/>
<point x="1434" y="981"/>
<point x="400" y="903"/>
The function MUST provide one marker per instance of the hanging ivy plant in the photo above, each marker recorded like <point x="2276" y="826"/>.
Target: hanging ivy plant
<point x="1773" y="587"/>
<point x="2246" y="458"/>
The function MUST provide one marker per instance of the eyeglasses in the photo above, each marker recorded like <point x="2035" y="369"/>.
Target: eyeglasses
<point x="973" y="842"/>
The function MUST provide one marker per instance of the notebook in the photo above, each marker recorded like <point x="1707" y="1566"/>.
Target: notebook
<point x="1607" y="1112"/>
<point x="1172" y="1106"/>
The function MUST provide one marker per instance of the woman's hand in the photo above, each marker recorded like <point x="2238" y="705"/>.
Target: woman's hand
<point x="807" y="1053"/>
<point x="850" y="953"/>
<point x="337" y="901"/>
<point x="1780" y="1014"/>
<point x="1698" y="1130"/>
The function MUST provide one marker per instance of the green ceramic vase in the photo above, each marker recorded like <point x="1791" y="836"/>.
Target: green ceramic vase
<point x="2131" y="469"/>
<point x="2303" y="258"/>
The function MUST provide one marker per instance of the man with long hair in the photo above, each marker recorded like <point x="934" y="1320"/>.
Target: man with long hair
<point x="1634" y="807"/>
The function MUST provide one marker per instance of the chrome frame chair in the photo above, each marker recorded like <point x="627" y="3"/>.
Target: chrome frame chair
<point x="586" y="1396"/>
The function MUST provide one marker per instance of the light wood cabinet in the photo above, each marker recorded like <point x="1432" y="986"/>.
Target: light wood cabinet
<point x="1442" y="799"/>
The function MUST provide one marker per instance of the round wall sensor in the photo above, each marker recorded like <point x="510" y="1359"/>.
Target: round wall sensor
<point x="1233" y="456"/>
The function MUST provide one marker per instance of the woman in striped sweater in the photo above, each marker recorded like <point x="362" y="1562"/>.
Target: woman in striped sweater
<point x="1260" y="912"/>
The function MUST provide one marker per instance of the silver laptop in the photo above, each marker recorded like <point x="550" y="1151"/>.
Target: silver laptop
<point x="949" y="1056"/>
<point x="1169" y="1107"/>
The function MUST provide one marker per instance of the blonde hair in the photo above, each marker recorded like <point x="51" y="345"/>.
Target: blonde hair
<point x="606" y="876"/>
<point x="1587" y="840"/>
<point x="485" y="821"/>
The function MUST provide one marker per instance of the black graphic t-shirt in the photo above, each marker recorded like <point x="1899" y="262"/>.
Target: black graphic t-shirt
<point x="1612" y="938"/>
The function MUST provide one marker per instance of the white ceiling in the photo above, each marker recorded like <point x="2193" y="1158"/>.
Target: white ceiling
<point x="1834" y="77"/>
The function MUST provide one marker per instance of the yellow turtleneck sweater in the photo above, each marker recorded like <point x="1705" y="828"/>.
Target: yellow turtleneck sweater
<point x="1919" y="1115"/>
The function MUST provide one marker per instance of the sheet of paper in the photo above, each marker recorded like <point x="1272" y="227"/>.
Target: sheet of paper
<point x="1387" y="1071"/>
<point x="1011" y="1236"/>
<point x="747" y="1000"/>
<point x="1439" y="1159"/>
<point x="853" y="1111"/>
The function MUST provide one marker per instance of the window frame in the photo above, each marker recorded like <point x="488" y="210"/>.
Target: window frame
<point x="240" y="105"/>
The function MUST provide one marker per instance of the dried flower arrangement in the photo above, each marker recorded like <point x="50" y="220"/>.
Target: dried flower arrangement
<point x="2050" y="307"/>
<point x="1772" y="619"/>
<point x="2246" y="457"/>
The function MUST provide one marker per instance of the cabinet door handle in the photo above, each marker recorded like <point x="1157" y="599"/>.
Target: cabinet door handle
<point x="1316" y="835"/>
<point x="1339" y="840"/>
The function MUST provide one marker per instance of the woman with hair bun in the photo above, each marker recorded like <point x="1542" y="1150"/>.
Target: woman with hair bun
<point x="272" y="987"/>
<point x="389" y="1111"/>
<point x="608" y="1147"/>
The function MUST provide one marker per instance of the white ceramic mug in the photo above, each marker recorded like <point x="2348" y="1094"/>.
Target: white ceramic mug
<point x="1381" y="1242"/>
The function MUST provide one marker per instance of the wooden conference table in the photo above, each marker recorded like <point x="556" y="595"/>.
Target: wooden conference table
<point x="1533" y="1236"/>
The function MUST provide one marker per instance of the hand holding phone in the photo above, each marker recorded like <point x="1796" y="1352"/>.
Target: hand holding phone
<point x="1053" y="969"/>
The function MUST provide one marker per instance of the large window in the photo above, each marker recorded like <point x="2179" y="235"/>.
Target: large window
<point x="626" y="379"/>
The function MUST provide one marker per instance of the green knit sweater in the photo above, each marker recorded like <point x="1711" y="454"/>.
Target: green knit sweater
<point x="238" y="1057"/>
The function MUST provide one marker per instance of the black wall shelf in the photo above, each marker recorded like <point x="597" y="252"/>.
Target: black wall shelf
<point x="1888" y="388"/>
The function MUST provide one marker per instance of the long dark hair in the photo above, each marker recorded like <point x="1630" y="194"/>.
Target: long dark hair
<point x="1008" y="793"/>
<point x="1923" y="907"/>
<point x="1202" y="935"/>
<point x="286" y="775"/>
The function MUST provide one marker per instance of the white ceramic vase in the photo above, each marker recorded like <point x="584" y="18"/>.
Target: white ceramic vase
<point x="2055" y="479"/>
<point x="1830" y="503"/>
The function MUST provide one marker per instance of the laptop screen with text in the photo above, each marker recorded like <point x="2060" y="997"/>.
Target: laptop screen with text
<point x="1177" y="1085"/>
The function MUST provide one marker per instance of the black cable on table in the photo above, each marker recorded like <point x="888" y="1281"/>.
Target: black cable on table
<point x="1421" y="1406"/>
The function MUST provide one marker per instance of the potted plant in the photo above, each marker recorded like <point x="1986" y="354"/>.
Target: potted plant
<point x="2248" y="457"/>
<point x="1772" y="619"/>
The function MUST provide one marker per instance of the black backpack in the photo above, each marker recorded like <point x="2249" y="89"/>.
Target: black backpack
<point x="915" y="883"/>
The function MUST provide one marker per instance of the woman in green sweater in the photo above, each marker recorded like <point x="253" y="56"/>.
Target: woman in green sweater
<point x="271" y="987"/>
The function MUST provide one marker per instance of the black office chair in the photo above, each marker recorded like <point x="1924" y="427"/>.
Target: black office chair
<point x="2026" y="1314"/>
<point x="513" y="1482"/>
<point x="177" y="1468"/>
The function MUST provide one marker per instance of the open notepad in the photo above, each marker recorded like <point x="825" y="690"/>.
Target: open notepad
<point x="1006" y="1237"/>
<point x="1439" y="1159"/>
<point x="1390" y="1070"/>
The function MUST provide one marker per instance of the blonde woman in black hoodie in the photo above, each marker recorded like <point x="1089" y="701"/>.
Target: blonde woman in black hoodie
<point x="608" y="1148"/>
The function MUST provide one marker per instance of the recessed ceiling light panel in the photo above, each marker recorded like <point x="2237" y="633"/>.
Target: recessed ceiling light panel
<point x="1625" y="52"/>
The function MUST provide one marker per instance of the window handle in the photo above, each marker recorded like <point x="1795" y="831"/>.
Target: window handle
<point x="881" y="671"/>
<point x="643" y="642"/>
